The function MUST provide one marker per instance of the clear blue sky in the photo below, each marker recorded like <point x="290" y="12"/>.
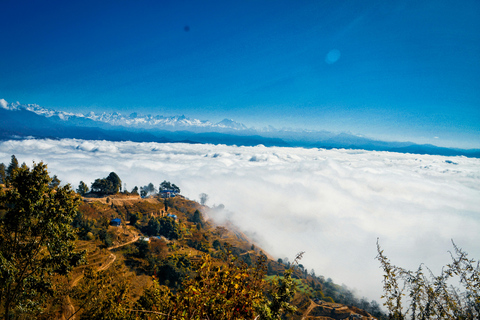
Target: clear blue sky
<point x="405" y="71"/>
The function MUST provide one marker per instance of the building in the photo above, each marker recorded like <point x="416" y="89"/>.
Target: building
<point x="167" y="193"/>
<point x="116" y="222"/>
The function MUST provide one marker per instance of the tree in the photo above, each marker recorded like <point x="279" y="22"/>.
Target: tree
<point x="82" y="188"/>
<point x="54" y="183"/>
<point x="135" y="190"/>
<point x="432" y="297"/>
<point x="148" y="189"/>
<point x="232" y="290"/>
<point x="3" y="173"/>
<point x="116" y="183"/>
<point x="166" y="185"/>
<point x="12" y="166"/>
<point x="36" y="239"/>
<point x="109" y="185"/>
<point x="197" y="218"/>
<point x="203" y="198"/>
<point x="100" y="186"/>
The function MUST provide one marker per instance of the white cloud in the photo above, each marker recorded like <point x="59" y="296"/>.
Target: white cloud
<point x="333" y="204"/>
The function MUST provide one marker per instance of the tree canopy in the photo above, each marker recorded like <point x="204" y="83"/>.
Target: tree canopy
<point x="3" y="173"/>
<point x="36" y="239"/>
<point x="109" y="185"/>
<point x="82" y="188"/>
<point x="167" y="185"/>
<point x="12" y="166"/>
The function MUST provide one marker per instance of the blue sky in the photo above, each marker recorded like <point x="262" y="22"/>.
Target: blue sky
<point x="398" y="71"/>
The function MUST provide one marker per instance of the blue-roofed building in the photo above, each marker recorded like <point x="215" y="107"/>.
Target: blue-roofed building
<point x="116" y="222"/>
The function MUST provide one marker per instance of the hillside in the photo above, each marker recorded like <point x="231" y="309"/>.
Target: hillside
<point x="130" y="256"/>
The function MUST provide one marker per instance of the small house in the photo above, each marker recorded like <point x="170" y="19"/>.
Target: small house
<point x="167" y="193"/>
<point x="172" y="216"/>
<point x="116" y="222"/>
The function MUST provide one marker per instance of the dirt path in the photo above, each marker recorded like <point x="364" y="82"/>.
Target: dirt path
<point x="310" y="308"/>
<point x="126" y="243"/>
<point x="68" y="309"/>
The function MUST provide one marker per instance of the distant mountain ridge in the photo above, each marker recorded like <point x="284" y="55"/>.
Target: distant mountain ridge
<point x="22" y="121"/>
<point x="133" y="120"/>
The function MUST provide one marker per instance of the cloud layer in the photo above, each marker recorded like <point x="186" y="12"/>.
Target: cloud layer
<point x="333" y="204"/>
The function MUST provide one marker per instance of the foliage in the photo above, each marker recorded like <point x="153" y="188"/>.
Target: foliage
<point x="133" y="219"/>
<point x="36" y="239"/>
<point x="172" y="270"/>
<point x="84" y="226"/>
<point x="3" y="173"/>
<point x="165" y="226"/>
<point x="431" y="297"/>
<point x="166" y="185"/>
<point x="196" y="218"/>
<point x="109" y="185"/>
<point x="103" y="295"/>
<point x="12" y="166"/>
<point x="203" y="198"/>
<point x="148" y="189"/>
<point x="231" y="290"/>
<point x="197" y="240"/>
<point x="106" y="237"/>
<point x="82" y="188"/>
<point x="54" y="183"/>
<point x="281" y="295"/>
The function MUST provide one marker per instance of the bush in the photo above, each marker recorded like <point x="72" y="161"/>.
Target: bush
<point x="423" y="296"/>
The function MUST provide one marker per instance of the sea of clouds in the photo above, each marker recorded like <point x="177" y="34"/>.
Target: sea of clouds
<point x="332" y="204"/>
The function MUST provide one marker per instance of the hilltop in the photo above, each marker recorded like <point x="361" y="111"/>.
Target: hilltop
<point x="121" y="255"/>
<point x="139" y="257"/>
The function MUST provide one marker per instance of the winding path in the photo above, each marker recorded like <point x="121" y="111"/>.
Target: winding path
<point x="68" y="310"/>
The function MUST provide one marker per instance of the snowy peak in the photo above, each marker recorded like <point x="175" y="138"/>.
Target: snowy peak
<point x="229" y="123"/>
<point x="133" y="120"/>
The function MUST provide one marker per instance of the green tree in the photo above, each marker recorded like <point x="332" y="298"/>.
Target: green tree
<point x="166" y="185"/>
<point x="100" y="186"/>
<point x="133" y="219"/>
<point x="3" y="173"/>
<point x="116" y="183"/>
<point x="36" y="239"/>
<point x="135" y="190"/>
<point x="109" y="185"/>
<point x="82" y="188"/>
<point x="12" y="166"/>
<point x="55" y="182"/>
<point x="232" y="290"/>
<point x="197" y="218"/>
<point x="169" y="228"/>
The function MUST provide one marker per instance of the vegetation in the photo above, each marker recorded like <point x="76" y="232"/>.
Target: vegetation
<point x="82" y="188"/>
<point x="36" y="239"/>
<point x="3" y="173"/>
<point x="167" y="185"/>
<point x="417" y="295"/>
<point x="188" y="269"/>
<point x="109" y="185"/>
<point x="147" y="190"/>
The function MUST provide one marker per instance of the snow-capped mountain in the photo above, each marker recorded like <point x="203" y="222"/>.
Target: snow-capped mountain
<point x="133" y="120"/>
<point x="19" y="121"/>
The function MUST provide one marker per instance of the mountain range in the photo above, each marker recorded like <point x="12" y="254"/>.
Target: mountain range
<point x="19" y="121"/>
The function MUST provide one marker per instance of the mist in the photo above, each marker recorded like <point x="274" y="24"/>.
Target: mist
<point x="332" y="204"/>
